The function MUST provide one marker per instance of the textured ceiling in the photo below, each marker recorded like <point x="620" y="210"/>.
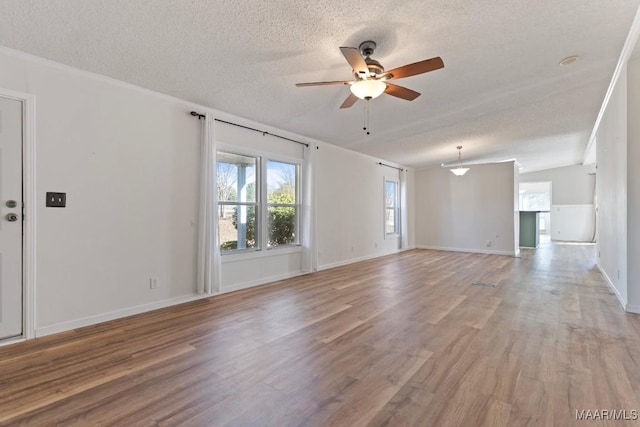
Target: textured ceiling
<point x="501" y="95"/>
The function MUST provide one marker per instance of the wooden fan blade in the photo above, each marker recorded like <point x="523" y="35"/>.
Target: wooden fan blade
<point x="341" y="82"/>
<point x="353" y="57"/>
<point x="401" y="92"/>
<point x="416" y="68"/>
<point x="351" y="99"/>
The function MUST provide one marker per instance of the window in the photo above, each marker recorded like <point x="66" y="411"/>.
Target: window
<point x="282" y="204"/>
<point x="391" y="216"/>
<point x="238" y="192"/>
<point x="246" y="222"/>
<point x="535" y="196"/>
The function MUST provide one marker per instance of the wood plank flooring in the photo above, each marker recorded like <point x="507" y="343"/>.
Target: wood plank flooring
<point x="402" y="340"/>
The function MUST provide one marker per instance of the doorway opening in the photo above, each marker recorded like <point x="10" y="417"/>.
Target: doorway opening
<point x="534" y="203"/>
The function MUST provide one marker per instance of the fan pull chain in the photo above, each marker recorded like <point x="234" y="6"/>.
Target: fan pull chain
<point x="366" y="116"/>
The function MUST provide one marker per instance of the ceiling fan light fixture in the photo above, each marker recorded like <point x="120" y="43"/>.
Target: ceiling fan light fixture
<point x="368" y="89"/>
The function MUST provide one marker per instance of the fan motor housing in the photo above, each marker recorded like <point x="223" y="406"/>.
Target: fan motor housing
<point x="366" y="49"/>
<point x="374" y="66"/>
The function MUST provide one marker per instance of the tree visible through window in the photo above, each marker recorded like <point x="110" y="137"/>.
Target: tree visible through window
<point x="282" y="204"/>
<point x="390" y="207"/>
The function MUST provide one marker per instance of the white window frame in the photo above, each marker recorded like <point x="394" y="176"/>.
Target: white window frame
<point x="261" y="201"/>
<point x="396" y="233"/>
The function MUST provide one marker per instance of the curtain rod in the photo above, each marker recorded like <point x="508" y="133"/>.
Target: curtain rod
<point x="392" y="167"/>
<point x="202" y="116"/>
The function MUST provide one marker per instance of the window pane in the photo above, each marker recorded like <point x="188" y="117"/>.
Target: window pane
<point x="390" y="221"/>
<point x="283" y="225"/>
<point x="390" y="194"/>
<point x="281" y="182"/>
<point x="236" y="178"/>
<point x="238" y="228"/>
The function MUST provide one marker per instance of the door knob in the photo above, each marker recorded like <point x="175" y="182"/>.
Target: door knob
<point x="12" y="203"/>
<point x="12" y="217"/>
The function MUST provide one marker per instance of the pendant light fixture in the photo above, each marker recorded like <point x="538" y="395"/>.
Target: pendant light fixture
<point x="459" y="170"/>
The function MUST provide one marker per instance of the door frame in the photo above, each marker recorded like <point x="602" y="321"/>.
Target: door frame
<point x="29" y="209"/>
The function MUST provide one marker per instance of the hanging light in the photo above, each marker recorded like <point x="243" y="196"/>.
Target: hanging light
<point x="368" y="89"/>
<point x="459" y="170"/>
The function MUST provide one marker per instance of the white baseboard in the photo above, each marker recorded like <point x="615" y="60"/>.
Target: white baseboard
<point x="112" y="315"/>
<point x="359" y="259"/>
<point x="10" y="341"/>
<point x="633" y="309"/>
<point x="473" y="251"/>
<point x="615" y="290"/>
<point x="258" y="282"/>
<point x="117" y="314"/>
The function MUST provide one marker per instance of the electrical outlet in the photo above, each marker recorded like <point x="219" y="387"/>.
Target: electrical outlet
<point x="56" y="200"/>
<point x="153" y="283"/>
<point x="488" y="243"/>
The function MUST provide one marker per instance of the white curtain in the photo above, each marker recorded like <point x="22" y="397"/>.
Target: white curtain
<point x="404" y="222"/>
<point x="308" y="219"/>
<point x="208" y="247"/>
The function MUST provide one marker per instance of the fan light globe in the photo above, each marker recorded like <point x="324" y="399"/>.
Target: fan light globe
<point x="368" y="89"/>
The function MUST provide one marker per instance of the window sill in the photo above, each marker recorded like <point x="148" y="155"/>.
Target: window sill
<point x="247" y="255"/>
<point x="391" y="236"/>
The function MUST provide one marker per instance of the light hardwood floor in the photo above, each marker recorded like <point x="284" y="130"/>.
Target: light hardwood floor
<point x="396" y="341"/>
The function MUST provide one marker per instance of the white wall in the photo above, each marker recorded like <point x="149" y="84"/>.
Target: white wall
<point x="570" y="185"/>
<point x="572" y="198"/>
<point x="128" y="163"/>
<point x="572" y="223"/>
<point x="350" y="214"/>
<point x="463" y="213"/>
<point x="349" y="192"/>
<point x="633" y="184"/>
<point x="611" y="184"/>
<point x="128" y="160"/>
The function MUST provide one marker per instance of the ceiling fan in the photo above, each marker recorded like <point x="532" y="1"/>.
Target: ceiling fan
<point x="371" y="80"/>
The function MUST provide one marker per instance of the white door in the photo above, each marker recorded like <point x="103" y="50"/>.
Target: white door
<point x="10" y="218"/>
